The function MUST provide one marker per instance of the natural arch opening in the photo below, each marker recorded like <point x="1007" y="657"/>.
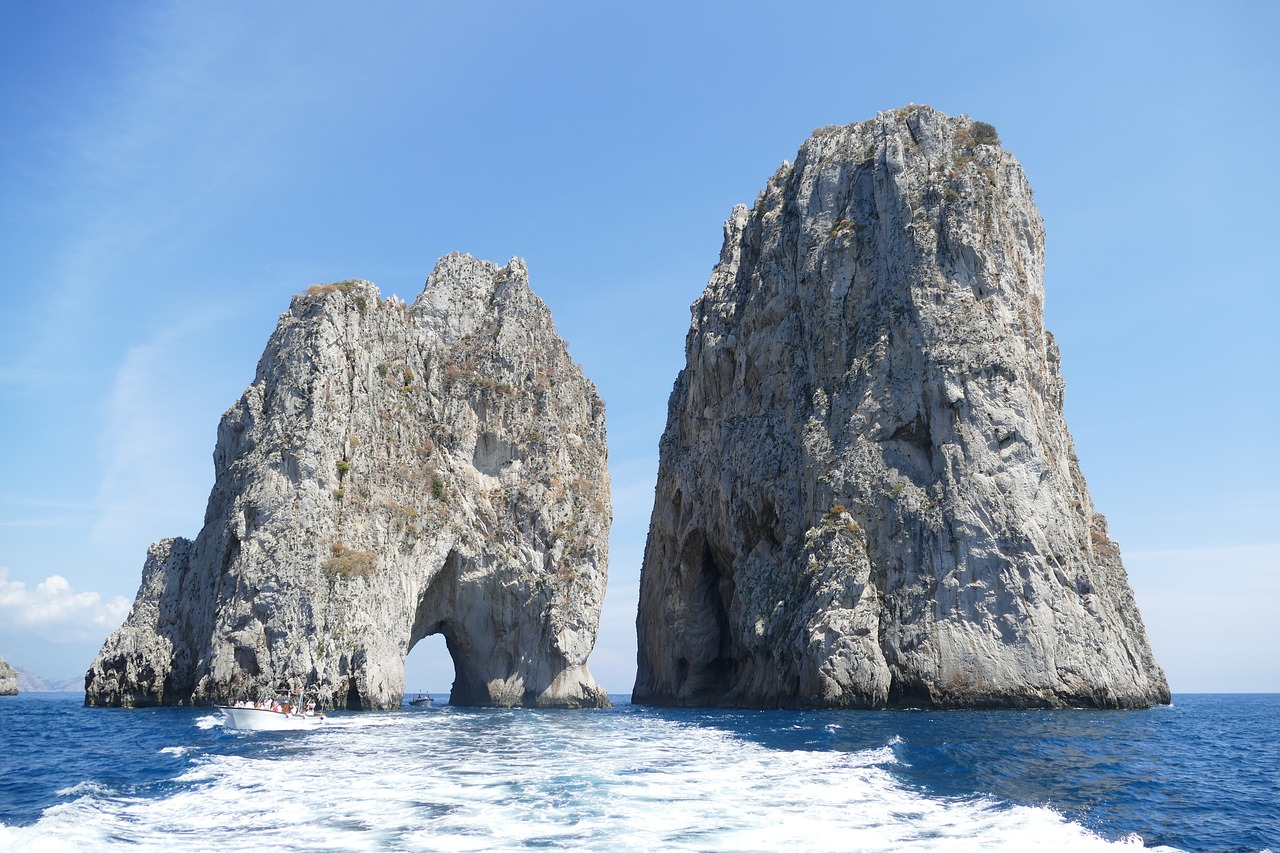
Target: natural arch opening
<point x="428" y="668"/>
<point x="437" y="618"/>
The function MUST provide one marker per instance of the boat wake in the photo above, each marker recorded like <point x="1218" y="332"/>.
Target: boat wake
<point x="494" y="781"/>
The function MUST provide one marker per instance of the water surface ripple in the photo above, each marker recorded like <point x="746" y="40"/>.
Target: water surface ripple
<point x="1201" y="775"/>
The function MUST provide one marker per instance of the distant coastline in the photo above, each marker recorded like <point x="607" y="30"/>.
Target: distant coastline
<point x="29" y="682"/>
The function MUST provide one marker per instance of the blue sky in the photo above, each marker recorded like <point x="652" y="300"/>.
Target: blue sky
<point x="170" y="173"/>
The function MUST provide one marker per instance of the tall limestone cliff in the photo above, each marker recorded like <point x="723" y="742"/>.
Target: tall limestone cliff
<point x="867" y="494"/>
<point x="394" y="471"/>
<point x="8" y="679"/>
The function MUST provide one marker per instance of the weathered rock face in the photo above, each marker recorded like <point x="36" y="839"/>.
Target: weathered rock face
<point x="393" y="472"/>
<point x="867" y="494"/>
<point x="8" y="679"/>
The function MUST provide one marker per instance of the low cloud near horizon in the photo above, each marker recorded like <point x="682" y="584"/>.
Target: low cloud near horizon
<point x="54" y="611"/>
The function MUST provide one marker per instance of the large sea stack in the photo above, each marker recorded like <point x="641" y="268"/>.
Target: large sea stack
<point x="8" y="679"/>
<point x="867" y="495"/>
<point x="394" y="471"/>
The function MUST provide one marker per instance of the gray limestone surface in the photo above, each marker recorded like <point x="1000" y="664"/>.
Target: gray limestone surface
<point x="8" y="679"/>
<point x="867" y="494"/>
<point x="394" y="471"/>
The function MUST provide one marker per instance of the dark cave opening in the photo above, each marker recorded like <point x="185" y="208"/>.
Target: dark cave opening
<point x="713" y="593"/>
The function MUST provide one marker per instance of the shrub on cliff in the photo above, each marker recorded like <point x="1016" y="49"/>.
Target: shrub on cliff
<point x="984" y="134"/>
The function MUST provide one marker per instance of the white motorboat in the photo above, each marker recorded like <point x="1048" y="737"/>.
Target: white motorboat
<point x="420" y="700"/>
<point x="271" y="716"/>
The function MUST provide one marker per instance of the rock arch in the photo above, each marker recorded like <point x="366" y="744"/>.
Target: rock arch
<point x="393" y="472"/>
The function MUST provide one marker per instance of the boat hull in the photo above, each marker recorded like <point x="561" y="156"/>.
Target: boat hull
<point x="266" y="720"/>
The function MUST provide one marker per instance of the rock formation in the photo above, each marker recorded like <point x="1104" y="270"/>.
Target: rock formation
<point x="394" y="471"/>
<point x="8" y="679"/>
<point x="867" y="494"/>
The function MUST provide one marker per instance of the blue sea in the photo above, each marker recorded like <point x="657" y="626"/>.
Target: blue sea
<point x="1203" y="774"/>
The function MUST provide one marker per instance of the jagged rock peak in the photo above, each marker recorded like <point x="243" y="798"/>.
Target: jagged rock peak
<point x="8" y="679"/>
<point x="393" y="472"/>
<point x="867" y="495"/>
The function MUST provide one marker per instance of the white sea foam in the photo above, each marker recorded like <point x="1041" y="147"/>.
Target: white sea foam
<point x="460" y="781"/>
<point x="210" y="721"/>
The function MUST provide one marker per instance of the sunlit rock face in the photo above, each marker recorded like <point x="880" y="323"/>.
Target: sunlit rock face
<point x="867" y="495"/>
<point x="8" y="679"/>
<point x="394" y="471"/>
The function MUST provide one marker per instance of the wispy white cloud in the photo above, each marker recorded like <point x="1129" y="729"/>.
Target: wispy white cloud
<point x="38" y="522"/>
<point x="156" y="443"/>
<point x="16" y="511"/>
<point x="188" y="124"/>
<point x="54" y="611"/>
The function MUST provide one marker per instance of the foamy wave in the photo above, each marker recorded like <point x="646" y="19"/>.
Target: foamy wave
<point x="83" y="788"/>
<point x="460" y="781"/>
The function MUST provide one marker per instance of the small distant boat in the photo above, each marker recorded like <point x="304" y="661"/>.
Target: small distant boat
<point x="272" y="715"/>
<point x="421" y="700"/>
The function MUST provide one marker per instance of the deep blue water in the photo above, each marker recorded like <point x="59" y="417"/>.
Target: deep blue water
<point x="1203" y="774"/>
